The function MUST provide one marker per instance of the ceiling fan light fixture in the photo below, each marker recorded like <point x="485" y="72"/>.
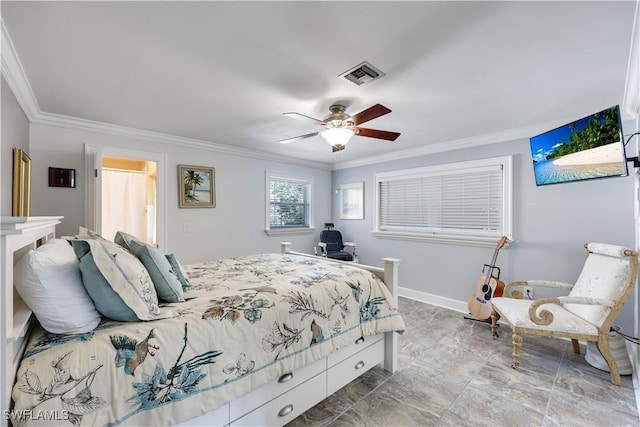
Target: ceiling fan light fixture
<point x="337" y="136"/>
<point x="339" y="126"/>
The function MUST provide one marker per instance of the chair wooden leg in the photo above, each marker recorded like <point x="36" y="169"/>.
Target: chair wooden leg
<point x="517" y="342"/>
<point x="576" y="346"/>
<point x="494" y="323"/>
<point x="603" y="348"/>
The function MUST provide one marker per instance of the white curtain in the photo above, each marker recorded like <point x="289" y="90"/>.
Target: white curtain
<point x="124" y="200"/>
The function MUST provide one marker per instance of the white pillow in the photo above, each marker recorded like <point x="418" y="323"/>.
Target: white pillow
<point x="48" y="280"/>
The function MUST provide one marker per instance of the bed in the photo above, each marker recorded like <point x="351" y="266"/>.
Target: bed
<point x="258" y="340"/>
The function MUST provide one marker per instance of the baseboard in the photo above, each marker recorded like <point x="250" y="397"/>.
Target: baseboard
<point x="449" y="303"/>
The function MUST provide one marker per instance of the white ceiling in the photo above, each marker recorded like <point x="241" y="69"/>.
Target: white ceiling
<point x="224" y="72"/>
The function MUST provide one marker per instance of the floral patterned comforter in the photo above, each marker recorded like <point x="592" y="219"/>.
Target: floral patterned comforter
<point x="246" y="321"/>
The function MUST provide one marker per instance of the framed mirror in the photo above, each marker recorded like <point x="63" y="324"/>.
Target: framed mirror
<point x="352" y="201"/>
<point x="21" y="183"/>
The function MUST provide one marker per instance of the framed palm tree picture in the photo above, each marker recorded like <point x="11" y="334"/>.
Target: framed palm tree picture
<point x="196" y="187"/>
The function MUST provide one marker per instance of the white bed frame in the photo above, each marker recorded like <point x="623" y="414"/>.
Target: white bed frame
<point x="274" y="403"/>
<point x="18" y="236"/>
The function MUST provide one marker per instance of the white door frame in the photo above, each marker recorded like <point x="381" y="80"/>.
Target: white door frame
<point x="93" y="190"/>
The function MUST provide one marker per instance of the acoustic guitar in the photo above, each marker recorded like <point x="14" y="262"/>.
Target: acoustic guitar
<point x="487" y="287"/>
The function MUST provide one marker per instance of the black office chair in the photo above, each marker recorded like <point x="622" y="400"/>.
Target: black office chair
<point x="332" y="246"/>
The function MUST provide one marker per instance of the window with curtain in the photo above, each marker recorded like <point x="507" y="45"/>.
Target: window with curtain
<point x="288" y="203"/>
<point x="465" y="202"/>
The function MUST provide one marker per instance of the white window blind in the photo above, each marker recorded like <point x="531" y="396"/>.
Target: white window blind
<point x="288" y="203"/>
<point x="467" y="200"/>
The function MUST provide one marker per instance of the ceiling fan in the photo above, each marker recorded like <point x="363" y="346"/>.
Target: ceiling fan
<point x="340" y="127"/>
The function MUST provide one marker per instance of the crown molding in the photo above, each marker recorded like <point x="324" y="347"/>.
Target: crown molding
<point x="524" y="132"/>
<point x="631" y="100"/>
<point x="456" y="144"/>
<point x="68" y="122"/>
<point x="13" y="72"/>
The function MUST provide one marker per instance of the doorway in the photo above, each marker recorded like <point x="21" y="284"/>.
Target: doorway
<point x="125" y="192"/>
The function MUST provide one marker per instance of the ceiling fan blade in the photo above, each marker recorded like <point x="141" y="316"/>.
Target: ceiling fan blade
<point x="297" y="138"/>
<point x="304" y="118"/>
<point x="369" y="114"/>
<point x="379" y="134"/>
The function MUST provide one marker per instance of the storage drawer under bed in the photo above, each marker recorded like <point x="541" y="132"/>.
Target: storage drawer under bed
<point x="275" y="388"/>
<point x="287" y="406"/>
<point x="352" y="367"/>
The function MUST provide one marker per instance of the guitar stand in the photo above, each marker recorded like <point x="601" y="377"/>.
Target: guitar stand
<point x="492" y="267"/>
<point x="475" y="319"/>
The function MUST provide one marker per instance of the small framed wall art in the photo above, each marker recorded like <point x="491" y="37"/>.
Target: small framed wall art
<point x="197" y="186"/>
<point x="60" y="177"/>
<point x="352" y="201"/>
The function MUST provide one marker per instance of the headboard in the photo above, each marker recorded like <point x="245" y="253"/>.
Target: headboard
<point x="18" y="236"/>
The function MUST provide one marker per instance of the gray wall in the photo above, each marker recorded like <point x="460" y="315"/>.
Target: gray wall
<point x="15" y="133"/>
<point x="234" y="227"/>
<point x="550" y="226"/>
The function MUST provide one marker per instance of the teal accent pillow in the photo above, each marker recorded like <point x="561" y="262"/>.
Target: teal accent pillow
<point x="177" y="270"/>
<point x="107" y="301"/>
<point x="162" y="275"/>
<point x="117" y="282"/>
<point x="124" y="239"/>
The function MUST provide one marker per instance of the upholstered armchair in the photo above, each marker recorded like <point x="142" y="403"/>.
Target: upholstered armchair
<point x="586" y="313"/>
<point x="332" y="246"/>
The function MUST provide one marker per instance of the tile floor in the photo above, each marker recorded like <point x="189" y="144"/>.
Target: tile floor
<point x="452" y="373"/>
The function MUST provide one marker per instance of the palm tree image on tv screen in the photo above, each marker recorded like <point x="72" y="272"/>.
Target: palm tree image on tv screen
<point x="588" y="148"/>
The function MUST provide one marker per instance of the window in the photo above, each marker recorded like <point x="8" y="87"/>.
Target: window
<point x="466" y="202"/>
<point x="288" y="204"/>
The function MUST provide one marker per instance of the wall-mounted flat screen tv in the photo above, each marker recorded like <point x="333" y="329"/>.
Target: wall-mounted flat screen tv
<point x="589" y="148"/>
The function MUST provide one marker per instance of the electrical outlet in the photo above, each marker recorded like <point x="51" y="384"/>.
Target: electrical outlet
<point x="528" y="292"/>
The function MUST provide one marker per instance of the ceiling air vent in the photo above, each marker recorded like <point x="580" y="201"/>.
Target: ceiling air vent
<point x="362" y="73"/>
